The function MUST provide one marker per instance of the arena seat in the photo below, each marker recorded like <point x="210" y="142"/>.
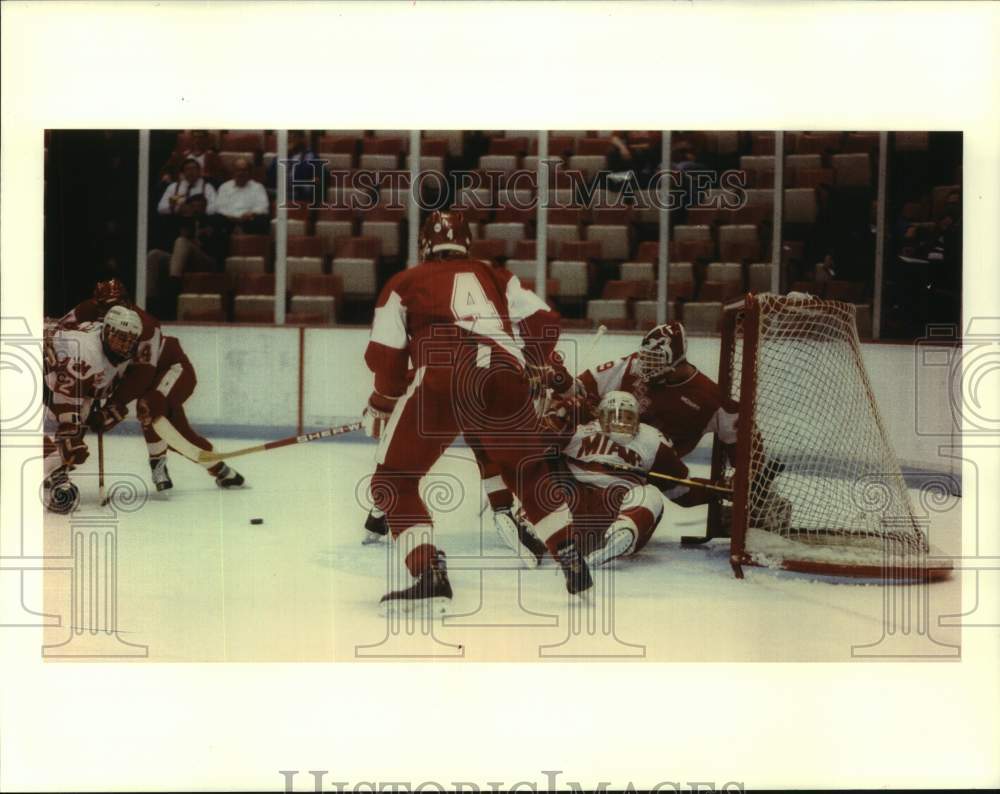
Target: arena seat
<point x="614" y="241"/>
<point x="702" y="317"/>
<point x="358" y="275"/>
<point x="800" y="205"/>
<point x="332" y="224"/>
<point x="638" y="271"/>
<point x="490" y="249"/>
<point x="851" y="170"/>
<point x="573" y="278"/>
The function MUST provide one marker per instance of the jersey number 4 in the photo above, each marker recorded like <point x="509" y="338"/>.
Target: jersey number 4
<point x="473" y="310"/>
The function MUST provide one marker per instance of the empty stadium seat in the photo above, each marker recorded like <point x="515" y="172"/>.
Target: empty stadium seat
<point x="602" y="311"/>
<point x="702" y="317"/>
<point x="303" y="264"/>
<point x="686" y="232"/>
<point x="759" y="169"/>
<point x="559" y="233"/>
<point x="645" y="314"/>
<point x="245" y="264"/>
<point x="638" y="271"/>
<point x="296" y="227"/>
<point x="573" y="278"/>
<point x="255" y="284"/>
<point x="358" y="248"/>
<point x="583" y="250"/>
<point x="851" y="170"/>
<point x="191" y="306"/>
<point x="253" y="308"/>
<point x="760" y="277"/>
<point x="692" y="249"/>
<point x="813" y="177"/>
<point x="726" y="273"/>
<point x="679" y="272"/>
<point x="589" y="165"/>
<point x="522" y="268"/>
<point x="813" y="142"/>
<point x="331" y="225"/>
<point x="649" y="251"/>
<point x="378" y="162"/>
<point x="800" y="205"/>
<point x="738" y="242"/>
<point x="614" y="240"/>
<point x="492" y="249"/>
<point x="304" y="245"/>
<point x="249" y="245"/>
<point x="316" y="295"/>
<point x="504" y="163"/>
<point x="386" y="232"/>
<point x="428" y="162"/>
<point x="358" y="275"/>
<point x="795" y="163"/>
<point x="866" y="142"/>
<point x="337" y="161"/>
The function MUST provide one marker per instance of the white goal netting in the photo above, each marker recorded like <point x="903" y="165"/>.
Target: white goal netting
<point x="824" y="482"/>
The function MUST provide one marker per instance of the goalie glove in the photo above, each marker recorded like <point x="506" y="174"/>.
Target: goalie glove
<point x="376" y="414"/>
<point x="104" y="419"/>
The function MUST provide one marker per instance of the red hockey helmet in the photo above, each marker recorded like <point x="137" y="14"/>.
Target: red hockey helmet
<point x="662" y="349"/>
<point x="444" y="234"/>
<point x="110" y="292"/>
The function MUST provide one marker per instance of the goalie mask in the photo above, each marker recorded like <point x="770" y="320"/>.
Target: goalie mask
<point x="108" y="293"/>
<point x="618" y="415"/>
<point x="120" y="335"/>
<point x="445" y="234"/>
<point x="662" y="349"/>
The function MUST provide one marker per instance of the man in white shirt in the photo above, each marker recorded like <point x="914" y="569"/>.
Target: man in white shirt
<point x="242" y="202"/>
<point x="190" y="202"/>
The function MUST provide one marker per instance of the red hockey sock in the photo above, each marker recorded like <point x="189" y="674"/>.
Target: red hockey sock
<point x="418" y="561"/>
<point x="559" y="537"/>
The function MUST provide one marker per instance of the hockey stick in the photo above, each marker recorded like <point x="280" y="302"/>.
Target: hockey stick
<point x="679" y="480"/>
<point x="100" y="468"/>
<point x="169" y="433"/>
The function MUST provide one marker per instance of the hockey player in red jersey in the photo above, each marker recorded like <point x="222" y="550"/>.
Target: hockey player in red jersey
<point x="451" y="316"/>
<point x="607" y="460"/>
<point x="673" y="395"/>
<point x="161" y="392"/>
<point x="81" y="367"/>
<point x="108" y="293"/>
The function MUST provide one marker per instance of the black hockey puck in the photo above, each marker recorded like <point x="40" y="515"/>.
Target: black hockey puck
<point x="256" y="520"/>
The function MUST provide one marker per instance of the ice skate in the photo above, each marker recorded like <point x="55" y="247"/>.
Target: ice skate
<point x="618" y="541"/>
<point x="376" y="527"/>
<point x="61" y="495"/>
<point x="228" y="478"/>
<point x="578" y="580"/>
<point x="431" y="588"/>
<point x="516" y="536"/>
<point x="161" y="477"/>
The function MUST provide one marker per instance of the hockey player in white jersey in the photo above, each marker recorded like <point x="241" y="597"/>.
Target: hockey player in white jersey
<point x="615" y="510"/>
<point x="81" y="366"/>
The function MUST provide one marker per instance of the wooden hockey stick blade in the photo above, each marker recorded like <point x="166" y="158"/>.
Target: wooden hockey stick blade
<point x="208" y="458"/>
<point x="172" y="436"/>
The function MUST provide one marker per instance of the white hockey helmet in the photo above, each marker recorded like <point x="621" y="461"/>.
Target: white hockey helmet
<point x="122" y="329"/>
<point x="618" y="415"/>
<point x="661" y="350"/>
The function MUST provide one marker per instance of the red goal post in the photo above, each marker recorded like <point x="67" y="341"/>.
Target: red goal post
<point x="816" y="485"/>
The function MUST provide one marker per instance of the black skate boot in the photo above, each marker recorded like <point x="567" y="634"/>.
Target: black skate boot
<point x="575" y="568"/>
<point x="61" y="495"/>
<point x="161" y="477"/>
<point x="228" y="478"/>
<point x="518" y="536"/>
<point x="376" y="527"/>
<point x="431" y="588"/>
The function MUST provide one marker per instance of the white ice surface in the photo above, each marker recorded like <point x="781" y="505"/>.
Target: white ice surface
<point x="197" y="582"/>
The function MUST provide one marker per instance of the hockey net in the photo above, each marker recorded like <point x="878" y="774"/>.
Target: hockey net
<point x="817" y="487"/>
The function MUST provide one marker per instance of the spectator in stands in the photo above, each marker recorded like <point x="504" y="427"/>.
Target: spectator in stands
<point x="242" y="204"/>
<point x="304" y="176"/>
<point x="188" y="208"/>
<point x="202" y="152"/>
<point x="633" y="153"/>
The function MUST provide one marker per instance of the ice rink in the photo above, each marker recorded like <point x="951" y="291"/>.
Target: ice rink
<point x="194" y="580"/>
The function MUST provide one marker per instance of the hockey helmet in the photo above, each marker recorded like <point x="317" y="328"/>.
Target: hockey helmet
<point x="109" y="292"/>
<point x="618" y="415"/>
<point x="121" y="332"/>
<point x="444" y="234"/>
<point x="661" y="350"/>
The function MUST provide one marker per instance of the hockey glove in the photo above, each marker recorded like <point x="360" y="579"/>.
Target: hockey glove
<point x="376" y="414"/>
<point x="104" y="419"/>
<point x="69" y="441"/>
